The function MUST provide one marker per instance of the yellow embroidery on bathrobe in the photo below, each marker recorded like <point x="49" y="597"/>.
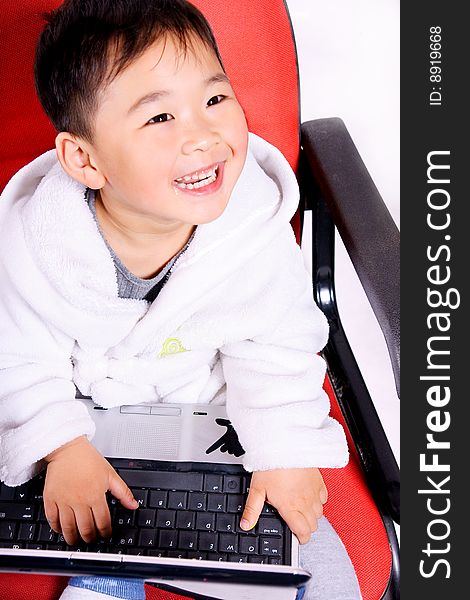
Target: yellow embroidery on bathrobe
<point x="172" y="346"/>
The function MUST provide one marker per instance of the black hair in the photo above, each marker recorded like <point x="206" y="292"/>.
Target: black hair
<point x="87" y="43"/>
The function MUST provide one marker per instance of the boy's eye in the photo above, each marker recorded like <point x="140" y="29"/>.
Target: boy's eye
<point x="215" y="100"/>
<point x="163" y="118"/>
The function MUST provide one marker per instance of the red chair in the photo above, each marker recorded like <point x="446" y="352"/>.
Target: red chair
<point x="257" y="46"/>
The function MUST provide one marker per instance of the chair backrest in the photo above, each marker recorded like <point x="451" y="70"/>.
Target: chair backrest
<point x="265" y="81"/>
<point x="258" y="50"/>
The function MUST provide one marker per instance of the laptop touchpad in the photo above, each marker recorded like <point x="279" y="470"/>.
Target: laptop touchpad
<point x="152" y="437"/>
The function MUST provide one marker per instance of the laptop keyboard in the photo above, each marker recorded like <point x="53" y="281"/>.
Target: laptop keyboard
<point x="190" y="512"/>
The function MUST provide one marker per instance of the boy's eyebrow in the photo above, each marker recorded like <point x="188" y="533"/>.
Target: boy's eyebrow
<point x="157" y="94"/>
<point x="147" y="99"/>
<point x="218" y="78"/>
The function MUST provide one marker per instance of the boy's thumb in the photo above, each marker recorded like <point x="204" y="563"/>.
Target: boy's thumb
<point x="253" y="507"/>
<point x="119" y="490"/>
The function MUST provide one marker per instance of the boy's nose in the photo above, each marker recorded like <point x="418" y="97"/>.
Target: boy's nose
<point x="202" y="139"/>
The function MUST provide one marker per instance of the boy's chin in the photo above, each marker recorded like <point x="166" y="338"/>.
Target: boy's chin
<point x="207" y="216"/>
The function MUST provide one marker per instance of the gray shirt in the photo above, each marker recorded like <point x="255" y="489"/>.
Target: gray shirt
<point x="129" y="285"/>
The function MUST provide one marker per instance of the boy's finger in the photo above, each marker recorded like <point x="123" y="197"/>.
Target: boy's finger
<point x="253" y="507"/>
<point x="317" y="511"/>
<point x="312" y="519"/>
<point x="119" y="490"/>
<point x="102" y="519"/>
<point x="68" y="525"/>
<point x="85" y="523"/>
<point x="298" y="524"/>
<point x="52" y="515"/>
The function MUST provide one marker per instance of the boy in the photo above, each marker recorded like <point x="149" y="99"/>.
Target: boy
<point x="150" y="259"/>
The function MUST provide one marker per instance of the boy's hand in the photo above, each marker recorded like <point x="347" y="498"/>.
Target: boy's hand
<point x="77" y="480"/>
<point x="297" y="494"/>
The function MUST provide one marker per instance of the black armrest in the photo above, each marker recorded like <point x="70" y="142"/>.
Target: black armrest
<point x="336" y="185"/>
<point x="362" y="219"/>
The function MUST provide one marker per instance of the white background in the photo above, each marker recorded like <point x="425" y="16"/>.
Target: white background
<point x="349" y="67"/>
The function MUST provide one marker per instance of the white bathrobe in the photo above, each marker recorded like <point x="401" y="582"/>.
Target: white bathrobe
<point x="235" y="323"/>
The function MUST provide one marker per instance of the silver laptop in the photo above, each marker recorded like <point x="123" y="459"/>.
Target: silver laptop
<point x="183" y="464"/>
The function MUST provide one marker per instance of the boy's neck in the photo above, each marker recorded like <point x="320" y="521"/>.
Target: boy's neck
<point x="144" y="249"/>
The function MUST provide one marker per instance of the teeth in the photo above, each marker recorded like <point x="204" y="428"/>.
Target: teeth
<point x="210" y="175"/>
<point x="197" y="176"/>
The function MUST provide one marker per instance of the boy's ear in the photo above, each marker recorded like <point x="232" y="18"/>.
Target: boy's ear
<point x="76" y="159"/>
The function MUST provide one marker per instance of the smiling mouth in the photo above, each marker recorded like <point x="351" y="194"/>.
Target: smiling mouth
<point x="199" y="179"/>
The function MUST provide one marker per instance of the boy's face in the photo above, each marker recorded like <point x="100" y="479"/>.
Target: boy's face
<point x="170" y="138"/>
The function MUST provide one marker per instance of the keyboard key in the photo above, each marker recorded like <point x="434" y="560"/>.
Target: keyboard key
<point x="239" y="558"/>
<point x="168" y="539"/>
<point x="235" y="503"/>
<point x="46" y="534"/>
<point x="166" y="519"/>
<point x="260" y="560"/>
<point x="271" y="546"/>
<point x="185" y="519"/>
<point x="177" y="500"/>
<point x="248" y="544"/>
<point x="157" y="553"/>
<point x="125" y="536"/>
<point x="98" y="548"/>
<point x="205" y="521"/>
<point x="232" y="484"/>
<point x="124" y="517"/>
<point x="268" y="510"/>
<point x="228" y="542"/>
<point x="6" y="492"/>
<point x="34" y="546"/>
<point x="217" y="556"/>
<point x="225" y="522"/>
<point x="187" y="540"/>
<point x="11" y="545"/>
<point x="197" y="555"/>
<point x="269" y="526"/>
<point x="208" y="541"/>
<point x="26" y="532"/>
<point x="213" y="483"/>
<point x="37" y="487"/>
<point x="42" y="514"/>
<point x="23" y="492"/>
<point x="176" y="554"/>
<point x="146" y="517"/>
<point x="158" y="499"/>
<point x="196" y="501"/>
<point x="19" y="512"/>
<point x="137" y="551"/>
<point x="112" y="501"/>
<point x="141" y="497"/>
<point x="216" y="502"/>
<point x="7" y="530"/>
<point x="163" y="480"/>
<point x="275" y="560"/>
<point x="147" y="538"/>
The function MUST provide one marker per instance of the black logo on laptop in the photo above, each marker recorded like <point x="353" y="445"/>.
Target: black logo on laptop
<point x="228" y="442"/>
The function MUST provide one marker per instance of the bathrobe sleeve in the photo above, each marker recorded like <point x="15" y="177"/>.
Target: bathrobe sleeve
<point x="275" y="397"/>
<point x="38" y="410"/>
